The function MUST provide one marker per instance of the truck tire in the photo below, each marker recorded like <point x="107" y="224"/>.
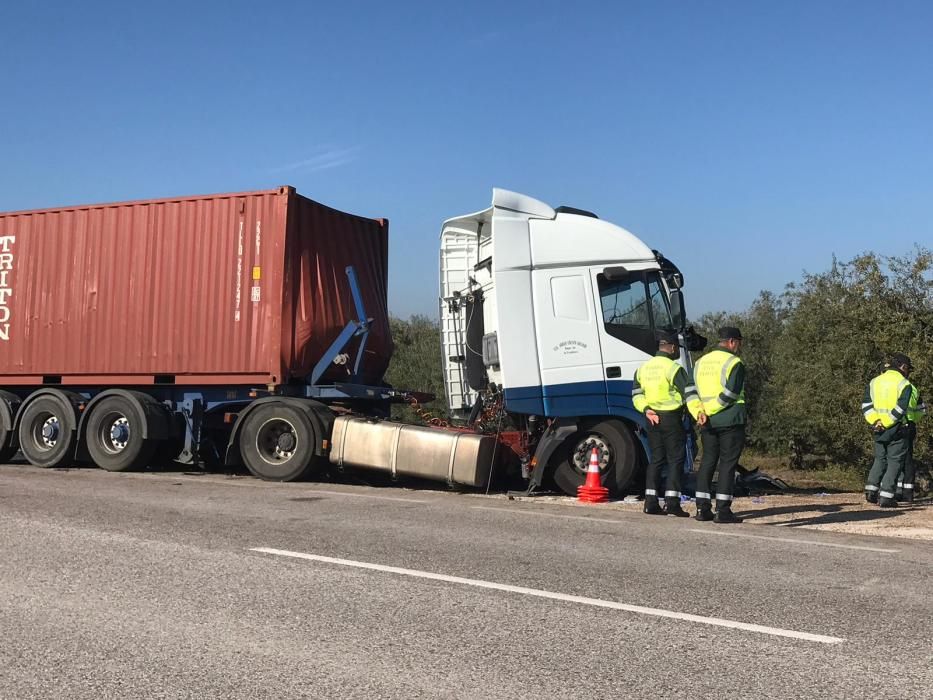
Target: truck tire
<point x="115" y="434"/>
<point x="617" y="452"/>
<point x="47" y="430"/>
<point x="277" y="442"/>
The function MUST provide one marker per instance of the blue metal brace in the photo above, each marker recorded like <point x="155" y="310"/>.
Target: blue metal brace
<point x="350" y="331"/>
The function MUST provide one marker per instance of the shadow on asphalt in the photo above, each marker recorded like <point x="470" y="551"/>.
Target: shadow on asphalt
<point x="822" y="514"/>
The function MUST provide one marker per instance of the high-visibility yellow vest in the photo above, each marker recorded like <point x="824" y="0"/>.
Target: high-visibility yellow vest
<point x="885" y="390"/>
<point x="916" y="410"/>
<point x="658" y="391"/>
<point x="656" y="378"/>
<point x="711" y="374"/>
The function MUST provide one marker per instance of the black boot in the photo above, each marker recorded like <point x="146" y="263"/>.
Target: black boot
<point x="908" y="495"/>
<point x="672" y="504"/>
<point x="871" y="496"/>
<point x="652" y="507"/>
<point x="887" y="503"/>
<point x="724" y="513"/>
<point x="704" y="510"/>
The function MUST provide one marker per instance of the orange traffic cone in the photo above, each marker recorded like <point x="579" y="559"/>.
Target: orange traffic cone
<point x="593" y="491"/>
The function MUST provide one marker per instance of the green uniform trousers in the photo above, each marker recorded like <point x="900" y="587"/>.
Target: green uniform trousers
<point x="722" y="448"/>
<point x="905" y="481"/>
<point x="890" y="453"/>
<point x="668" y="444"/>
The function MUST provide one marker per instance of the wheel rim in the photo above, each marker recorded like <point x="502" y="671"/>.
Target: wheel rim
<point x="114" y="433"/>
<point x="584" y="448"/>
<point x="46" y="431"/>
<point x="276" y="441"/>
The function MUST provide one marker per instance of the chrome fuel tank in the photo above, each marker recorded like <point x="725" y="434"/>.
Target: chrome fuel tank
<point x="410" y="450"/>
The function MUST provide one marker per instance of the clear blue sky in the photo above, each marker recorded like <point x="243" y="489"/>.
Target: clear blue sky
<point x="746" y="140"/>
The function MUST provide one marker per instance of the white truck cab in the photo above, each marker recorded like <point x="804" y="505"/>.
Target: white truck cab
<point x="549" y="312"/>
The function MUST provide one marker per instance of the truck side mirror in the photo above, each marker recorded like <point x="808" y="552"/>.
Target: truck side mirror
<point x="693" y="341"/>
<point x="678" y="314"/>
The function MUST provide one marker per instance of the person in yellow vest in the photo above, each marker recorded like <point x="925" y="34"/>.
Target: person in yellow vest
<point x="885" y="406"/>
<point x="916" y="409"/>
<point x="661" y="389"/>
<point x="720" y="379"/>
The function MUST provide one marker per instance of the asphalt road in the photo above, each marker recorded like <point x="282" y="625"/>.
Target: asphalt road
<point x="150" y="585"/>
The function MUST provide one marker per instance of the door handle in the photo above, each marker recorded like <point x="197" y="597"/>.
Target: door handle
<point x="613" y="372"/>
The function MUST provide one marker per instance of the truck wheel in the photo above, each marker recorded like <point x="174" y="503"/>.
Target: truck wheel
<point x="47" y="431"/>
<point x="115" y="432"/>
<point x="277" y="442"/>
<point x="618" y="457"/>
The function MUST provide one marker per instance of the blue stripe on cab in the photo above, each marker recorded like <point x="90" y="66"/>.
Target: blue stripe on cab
<point x="613" y="397"/>
<point x="526" y="399"/>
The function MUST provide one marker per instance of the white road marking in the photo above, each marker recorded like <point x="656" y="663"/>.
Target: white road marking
<point x="549" y="515"/>
<point x="796" y="541"/>
<point x="365" y="495"/>
<point x="581" y="600"/>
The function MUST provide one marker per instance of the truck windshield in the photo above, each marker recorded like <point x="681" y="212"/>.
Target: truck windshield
<point x="634" y="307"/>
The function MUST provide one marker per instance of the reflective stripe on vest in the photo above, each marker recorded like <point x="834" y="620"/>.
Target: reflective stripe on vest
<point x="656" y="378"/>
<point x="885" y="390"/>
<point x="711" y="374"/>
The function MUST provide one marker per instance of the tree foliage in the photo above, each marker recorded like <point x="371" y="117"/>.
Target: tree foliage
<point x="811" y="351"/>
<point x="416" y="364"/>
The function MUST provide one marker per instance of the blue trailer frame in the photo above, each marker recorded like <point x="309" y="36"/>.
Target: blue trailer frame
<point x="192" y="410"/>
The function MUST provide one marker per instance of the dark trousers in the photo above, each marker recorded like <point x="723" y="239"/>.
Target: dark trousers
<point x="668" y="444"/>
<point x="722" y="448"/>
<point x="908" y="472"/>
<point x="890" y="453"/>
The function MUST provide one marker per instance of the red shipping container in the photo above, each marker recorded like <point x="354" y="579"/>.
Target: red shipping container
<point x="246" y="289"/>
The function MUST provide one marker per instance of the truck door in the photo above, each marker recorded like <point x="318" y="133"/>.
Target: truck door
<point x="568" y="342"/>
<point x="631" y="306"/>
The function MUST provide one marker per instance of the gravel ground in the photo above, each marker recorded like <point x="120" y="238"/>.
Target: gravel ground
<point x="837" y="512"/>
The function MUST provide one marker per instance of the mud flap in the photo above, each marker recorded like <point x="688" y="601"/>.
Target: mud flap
<point x="553" y="437"/>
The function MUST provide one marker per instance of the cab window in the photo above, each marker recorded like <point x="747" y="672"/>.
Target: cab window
<point x="634" y="306"/>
